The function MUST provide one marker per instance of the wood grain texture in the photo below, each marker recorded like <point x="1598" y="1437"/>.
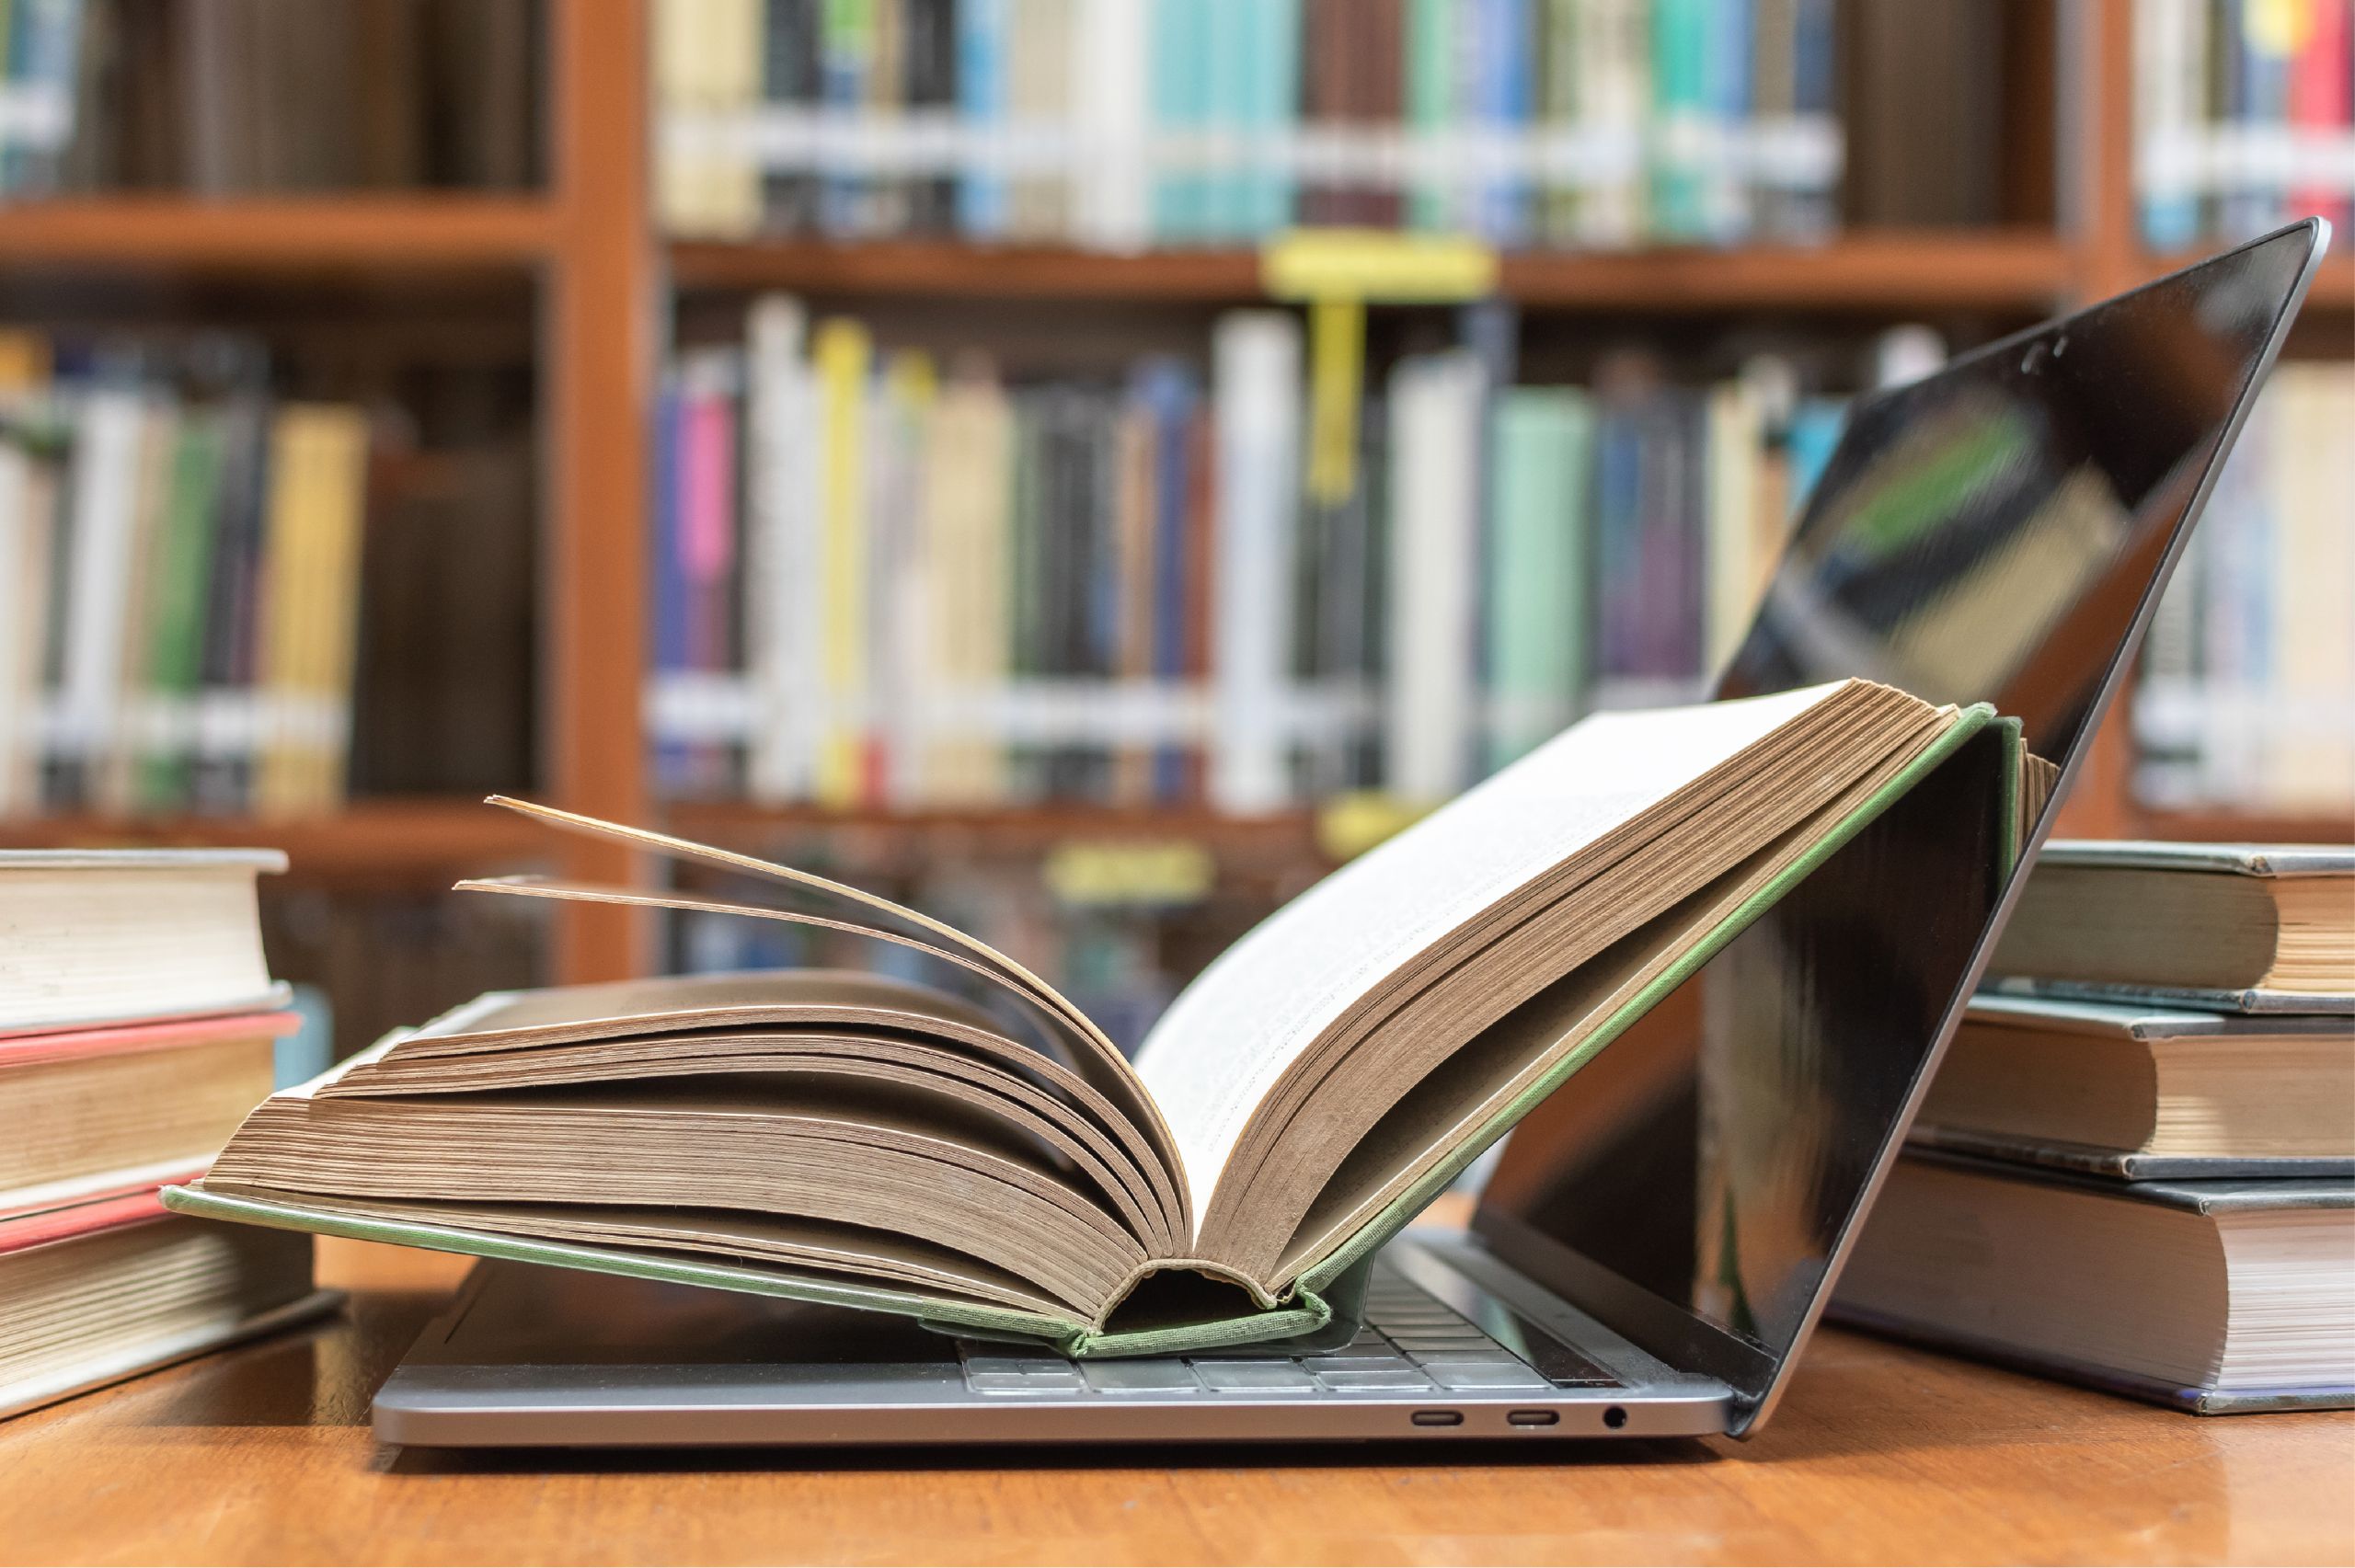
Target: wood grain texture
<point x="281" y="236"/>
<point x="601" y="353"/>
<point x="1880" y="1454"/>
<point x="1866" y="271"/>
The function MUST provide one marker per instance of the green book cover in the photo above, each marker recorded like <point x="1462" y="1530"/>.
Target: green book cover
<point x="1434" y="29"/>
<point x="179" y="587"/>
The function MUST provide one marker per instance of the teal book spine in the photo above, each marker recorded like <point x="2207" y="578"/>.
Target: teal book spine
<point x="1271" y="114"/>
<point x="1537" y="592"/>
<point x="1680" y="40"/>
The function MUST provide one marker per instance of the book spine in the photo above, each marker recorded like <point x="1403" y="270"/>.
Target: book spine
<point x="981" y="49"/>
<point x="1435" y="403"/>
<point x="1255" y="357"/>
<point x="842" y="356"/>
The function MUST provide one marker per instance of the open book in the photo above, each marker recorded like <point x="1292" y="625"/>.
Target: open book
<point x="988" y="1160"/>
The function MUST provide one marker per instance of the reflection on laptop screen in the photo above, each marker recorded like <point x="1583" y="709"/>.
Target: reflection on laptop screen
<point x="1991" y="534"/>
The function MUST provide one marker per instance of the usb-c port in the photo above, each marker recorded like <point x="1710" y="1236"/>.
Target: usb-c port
<point x="1533" y="1417"/>
<point x="1438" y="1418"/>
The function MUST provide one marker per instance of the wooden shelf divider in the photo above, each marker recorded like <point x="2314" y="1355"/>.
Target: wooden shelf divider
<point x="1898" y="271"/>
<point x="282" y="234"/>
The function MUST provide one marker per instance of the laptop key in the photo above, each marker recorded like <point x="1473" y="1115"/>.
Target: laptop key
<point x="1320" y="1365"/>
<point x="1467" y="1377"/>
<point x="1376" y="1378"/>
<point x="1252" y="1377"/>
<point x="1141" y="1378"/>
<point x="1023" y="1383"/>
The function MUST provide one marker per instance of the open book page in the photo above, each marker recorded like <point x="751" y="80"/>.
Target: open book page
<point x="762" y="1031"/>
<point x="853" y="1253"/>
<point x="920" y="1159"/>
<point x="1441" y="1115"/>
<point x="1234" y="1031"/>
<point x="1788" y="795"/>
<point x="808" y="899"/>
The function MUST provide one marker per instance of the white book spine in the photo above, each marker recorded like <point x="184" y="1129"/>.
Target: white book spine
<point x="1255" y="360"/>
<point x="105" y="491"/>
<point x="24" y="593"/>
<point x="781" y="629"/>
<point x="1108" y="94"/>
<point x="1435" y="452"/>
<point x="1615" y="97"/>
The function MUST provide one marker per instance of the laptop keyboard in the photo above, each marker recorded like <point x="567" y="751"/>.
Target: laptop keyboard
<point x="1410" y="1343"/>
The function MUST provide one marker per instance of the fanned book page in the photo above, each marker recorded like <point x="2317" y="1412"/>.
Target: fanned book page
<point x="979" y="1154"/>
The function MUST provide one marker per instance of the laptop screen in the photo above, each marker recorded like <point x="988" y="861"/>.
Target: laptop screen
<point x="1997" y="532"/>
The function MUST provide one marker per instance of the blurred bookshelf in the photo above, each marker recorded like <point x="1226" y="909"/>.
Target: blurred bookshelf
<point x="583" y="275"/>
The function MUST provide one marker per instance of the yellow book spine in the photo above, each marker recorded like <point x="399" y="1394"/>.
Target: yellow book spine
<point x="842" y="353"/>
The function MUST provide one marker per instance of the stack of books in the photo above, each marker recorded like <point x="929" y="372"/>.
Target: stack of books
<point x="2136" y="1167"/>
<point x="138" y="1025"/>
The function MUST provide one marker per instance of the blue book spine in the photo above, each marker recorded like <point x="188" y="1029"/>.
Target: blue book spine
<point x="1816" y="425"/>
<point x="1501" y="100"/>
<point x="2261" y="101"/>
<point x="1618" y="513"/>
<point x="1813" y="215"/>
<point x="1728" y="66"/>
<point x="1168" y="393"/>
<point x="846" y="43"/>
<point x="981" y="106"/>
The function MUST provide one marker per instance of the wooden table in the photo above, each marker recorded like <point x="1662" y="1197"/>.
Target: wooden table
<point x="1879" y="1454"/>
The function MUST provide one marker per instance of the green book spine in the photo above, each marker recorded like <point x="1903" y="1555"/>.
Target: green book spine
<point x="1431" y="92"/>
<point x="1536" y="623"/>
<point x="1558" y="110"/>
<point x="178" y="584"/>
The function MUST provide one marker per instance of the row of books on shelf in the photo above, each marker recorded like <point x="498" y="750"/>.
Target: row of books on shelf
<point x="178" y="590"/>
<point x="236" y="97"/>
<point x="2246" y="115"/>
<point x="2248" y="688"/>
<point x="876" y="583"/>
<point x="1120" y="124"/>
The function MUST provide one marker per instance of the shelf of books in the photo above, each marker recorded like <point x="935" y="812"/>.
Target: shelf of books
<point x="996" y="505"/>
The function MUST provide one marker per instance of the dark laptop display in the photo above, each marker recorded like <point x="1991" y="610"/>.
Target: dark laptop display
<point x="1998" y="531"/>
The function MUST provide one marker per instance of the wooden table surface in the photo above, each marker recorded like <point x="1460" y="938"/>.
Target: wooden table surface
<point x="1879" y="1454"/>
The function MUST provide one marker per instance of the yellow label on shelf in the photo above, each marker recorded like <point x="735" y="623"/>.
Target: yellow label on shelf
<point x="1159" y="871"/>
<point x="1348" y="825"/>
<point x="1377" y="266"/>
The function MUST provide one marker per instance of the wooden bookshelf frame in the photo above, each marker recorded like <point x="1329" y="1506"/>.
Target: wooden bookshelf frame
<point x="606" y="291"/>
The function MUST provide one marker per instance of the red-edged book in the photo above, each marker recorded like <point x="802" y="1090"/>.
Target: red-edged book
<point x="95" y="1292"/>
<point x="86" y="1113"/>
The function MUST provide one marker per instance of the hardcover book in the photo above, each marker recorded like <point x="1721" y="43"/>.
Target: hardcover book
<point x="980" y="1157"/>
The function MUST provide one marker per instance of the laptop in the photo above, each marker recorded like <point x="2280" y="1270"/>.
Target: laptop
<point x="1654" y="1245"/>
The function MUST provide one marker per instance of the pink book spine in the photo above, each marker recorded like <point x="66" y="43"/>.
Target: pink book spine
<point x="2318" y="101"/>
<point x="707" y="537"/>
